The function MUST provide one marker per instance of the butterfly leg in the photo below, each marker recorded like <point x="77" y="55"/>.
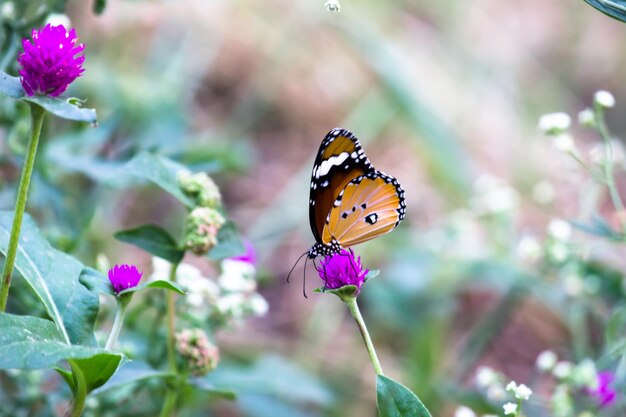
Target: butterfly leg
<point x="304" y="279"/>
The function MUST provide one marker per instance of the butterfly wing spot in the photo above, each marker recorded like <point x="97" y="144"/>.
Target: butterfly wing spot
<point x="372" y="218"/>
<point x="324" y="168"/>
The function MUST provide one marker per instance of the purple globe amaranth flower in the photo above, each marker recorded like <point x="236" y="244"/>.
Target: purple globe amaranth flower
<point x="49" y="64"/>
<point x="123" y="277"/>
<point x="603" y="392"/>
<point x="342" y="269"/>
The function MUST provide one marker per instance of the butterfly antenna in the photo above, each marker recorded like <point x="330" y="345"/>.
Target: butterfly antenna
<point x="304" y="279"/>
<point x="294" y="266"/>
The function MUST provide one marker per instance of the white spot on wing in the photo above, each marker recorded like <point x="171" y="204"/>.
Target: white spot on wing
<point x="326" y="165"/>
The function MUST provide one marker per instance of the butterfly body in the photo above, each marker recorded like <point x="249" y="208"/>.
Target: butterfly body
<point x="350" y="201"/>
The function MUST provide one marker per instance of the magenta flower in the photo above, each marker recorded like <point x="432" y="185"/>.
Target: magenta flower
<point x="342" y="269"/>
<point x="123" y="277"/>
<point x="249" y="256"/>
<point x="603" y="393"/>
<point x="48" y="62"/>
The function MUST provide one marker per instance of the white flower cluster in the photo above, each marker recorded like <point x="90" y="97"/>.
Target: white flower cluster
<point x="557" y="244"/>
<point x="491" y="383"/>
<point x="583" y="374"/>
<point x="463" y="411"/>
<point x="492" y="196"/>
<point x="232" y="298"/>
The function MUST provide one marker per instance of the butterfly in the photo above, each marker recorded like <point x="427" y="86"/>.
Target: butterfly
<point x="350" y="201"/>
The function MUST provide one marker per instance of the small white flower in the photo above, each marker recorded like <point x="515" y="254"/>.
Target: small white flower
<point x="564" y="142"/>
<point x="587" y="118"/>
<point x="554" y="123"/>
<point x="333" y="6"/>
<point x="573" y="285"/>
<point x="160" y="269"/>
<point x="496" y="393"/>
<point x="258" y="305"/>
<point x="546" y="360"/>
<point x="509" y="408"/>
<point x="485" y="377"/>
<point x="543" y="192"/>
<point x="585" y="373"/>
<point x="528" y="249"/>
<point x="463" y="411"/>
<point x="522" y="392"/>
<point x="511" y="386"/>
<point x="562" y="370"/>
<point x="604" y="99"/>
<point x="231" y="304"/>
<point x="560" y="229"/>
<point x="8" y="10"/>
<point x="56" y="19"/>
<point x="237" y="276"/>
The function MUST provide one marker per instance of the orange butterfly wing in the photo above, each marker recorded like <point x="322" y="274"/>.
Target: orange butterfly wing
<point x="369" y="206"/>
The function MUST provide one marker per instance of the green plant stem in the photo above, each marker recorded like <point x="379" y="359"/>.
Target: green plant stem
<point x="356" y="313"/>
<point x="37" y="116"/>
<point x="169" y="404"/>
<point x="122" y="303"/>
<point x="609" y="178"/>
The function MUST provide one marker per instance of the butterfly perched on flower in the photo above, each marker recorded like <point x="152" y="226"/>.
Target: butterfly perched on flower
<point x="350" y="201"/>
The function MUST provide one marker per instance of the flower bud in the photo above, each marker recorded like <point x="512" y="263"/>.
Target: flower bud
<point x="200" y="355"/>
<point x="201" y="188"/>
<point x="203" y="224"/>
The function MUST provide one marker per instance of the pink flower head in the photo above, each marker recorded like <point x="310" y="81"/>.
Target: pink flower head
<point x="123" y="277"/>
<point x="249" y="256"/>
<point x="48" y="62"/>
<point x="604" y="393"/>
<point x="342" y="269"/>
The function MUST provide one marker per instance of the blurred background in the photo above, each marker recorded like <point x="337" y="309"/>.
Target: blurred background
<point x="443" y="95"/>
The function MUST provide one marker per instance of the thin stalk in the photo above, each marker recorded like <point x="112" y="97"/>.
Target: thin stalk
<point x="356" y="313"/>
<point x="37" y="116"/>
<point x="609" y="178"/>
<point x="122" y="303"/>
<point x="169" y="404"/>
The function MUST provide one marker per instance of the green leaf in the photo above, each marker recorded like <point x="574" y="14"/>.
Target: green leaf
<point x="157" y="169"/>
<point x="159" y="283"/>
<point x="30" y="343"/>
<point x="207" y="387"/>
<point x="54" y="276"/>
<point x="613" y="8"/>
<point x="64" y="108"/>
<point x="98" y="369"/>
<point x="96" y="281"/>
<point x="344" y="293"/>
<point x="153" y="239"/>
<point x="131" y="373"/>
<point x="10" y="86"/>
<point x="395" y="400"/>
<point x="229" y="242"/>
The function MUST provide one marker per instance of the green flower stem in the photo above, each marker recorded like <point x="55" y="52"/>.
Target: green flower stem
<point x="609" y="178"/>
<point x="356" y="313"/>
<point x="122" y="303"/>
<point x="37" y="116"/>
<point x="169" y="404"/>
